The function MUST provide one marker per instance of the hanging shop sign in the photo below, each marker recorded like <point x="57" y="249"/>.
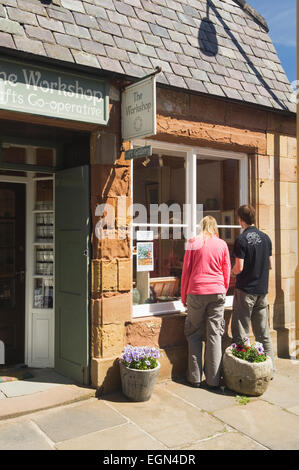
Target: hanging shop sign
<point x="139" y="109"/>
<point x="139" y="152"/>
<point x="49" y="92"/>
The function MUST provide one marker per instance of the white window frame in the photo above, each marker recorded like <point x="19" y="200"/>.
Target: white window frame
<point x="191" y="155"/>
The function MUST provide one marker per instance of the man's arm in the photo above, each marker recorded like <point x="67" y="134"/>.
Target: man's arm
<point x="270" y="262"/>
<point x="238" y="267"/>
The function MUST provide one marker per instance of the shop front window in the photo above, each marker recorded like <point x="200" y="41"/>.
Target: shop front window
<point x="218" y="190"/>
<point x="172" y="190"/>
<point x="158" y="246"/>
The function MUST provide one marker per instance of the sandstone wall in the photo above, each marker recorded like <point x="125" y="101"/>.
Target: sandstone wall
<point x="269" y="140"/>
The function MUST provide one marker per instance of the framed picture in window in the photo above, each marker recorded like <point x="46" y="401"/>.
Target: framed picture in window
<point x="227" y="218"/>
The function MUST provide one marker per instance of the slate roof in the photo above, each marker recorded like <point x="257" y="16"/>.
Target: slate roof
<point x="216" y="47"/>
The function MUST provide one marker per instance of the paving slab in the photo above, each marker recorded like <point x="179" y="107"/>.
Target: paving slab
<point x="288" y="368"/>
<point x="125" y="437"/>
<point x="19" y="388"/>
<point x="266" y="423"/>
<point x="43" y="379"/>
<point x="283" y="391"/>
<point x="57" y="396"/>
<point x="227" y="441"/>
<point x="171" y="420"/>
<point x="62" y="424"/>
<point x="22" y="436"/>
<point x="294" y="409"/>
<point x="204" y="399"/>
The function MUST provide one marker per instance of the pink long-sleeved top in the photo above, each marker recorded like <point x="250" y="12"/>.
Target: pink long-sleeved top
<point x="206" y="267"/>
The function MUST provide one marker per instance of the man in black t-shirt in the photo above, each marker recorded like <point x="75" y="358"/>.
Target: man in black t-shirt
<point x="253" y="259"/>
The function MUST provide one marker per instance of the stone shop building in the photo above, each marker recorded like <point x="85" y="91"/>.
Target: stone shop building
<point x="225" y="136"/>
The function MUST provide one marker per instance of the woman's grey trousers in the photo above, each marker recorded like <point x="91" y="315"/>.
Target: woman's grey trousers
<point x="204" y="323"/>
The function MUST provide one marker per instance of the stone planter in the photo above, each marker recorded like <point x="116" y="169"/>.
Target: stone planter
<point x="247" y="378"/>
<point x="138" y="384"/>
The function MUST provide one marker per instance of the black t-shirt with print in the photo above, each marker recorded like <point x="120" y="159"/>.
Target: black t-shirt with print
<point x="255" y="248"/>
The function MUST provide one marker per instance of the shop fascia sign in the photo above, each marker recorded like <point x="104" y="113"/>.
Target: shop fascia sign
<point x="139" y="108"/>
<point x="50" y="92"/>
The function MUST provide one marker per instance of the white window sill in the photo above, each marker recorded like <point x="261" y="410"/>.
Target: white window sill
<point x="163" y="308"/>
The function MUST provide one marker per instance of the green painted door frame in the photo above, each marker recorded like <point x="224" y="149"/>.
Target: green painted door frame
<point x="72" y="238"/>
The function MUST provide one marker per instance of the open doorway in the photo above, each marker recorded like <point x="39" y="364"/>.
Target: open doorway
<point x="12" y="270"/>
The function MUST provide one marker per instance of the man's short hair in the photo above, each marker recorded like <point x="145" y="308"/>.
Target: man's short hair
<point x="247" y="214"/>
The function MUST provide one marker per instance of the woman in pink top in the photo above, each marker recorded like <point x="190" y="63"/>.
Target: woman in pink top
<point x="205" y="281"/>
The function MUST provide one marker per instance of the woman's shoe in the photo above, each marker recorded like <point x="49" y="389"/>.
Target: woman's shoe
<point x="195" y="384"/>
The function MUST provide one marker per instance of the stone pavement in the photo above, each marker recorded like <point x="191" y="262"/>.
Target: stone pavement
<point x="176" y="417"/>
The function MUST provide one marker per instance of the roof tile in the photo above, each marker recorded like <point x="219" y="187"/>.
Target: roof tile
<point x="74" y="5"/>
<point x="92" y="47"/>
<point x="172" y="46"/>
<point x="31" y="7"/>
<point x="176" y="81"/>
<point x="6" y="40"/>
<point x="146" y="50"/>
<point x="124" y="8"/>
<point x="85" y="20"/>
<point x="67" y="41"/>
<point x="186" y="60"/>
<point x="78" y="31"/>
<point x="62" y="15"/>
<point x="178" y="37"/>
<point x="105" y="4"/>
<point x="110" y="64"/>
<point x="214" y="89"/>
<point x="59" y="52"/>
<point x="200" y="75"/>
<point x="29" y="45"/>
<point x="83" y="58"/>
<point x="96" y="11"/>
<point x="152" y="40"/>
<point x="140" y="60"/>
<point x="149" y="6"/>
<point x="116" y="53"/>
<point x="50" y="23"/>
<point x="139" y="25"/>
<point x="108" y="27"/>
<point x="117" y="18"/>
<point x="181" y="70"/>
<point x="168" y="56"/>
<point x="159" y="31"/>
<point x="44" y="35"/>
<point x="133" y="70"/>
<point x="126" y="44"/>
<point x="101" y="37"/>
<point x="12" y="27"/>
<point x="130" y="33"/>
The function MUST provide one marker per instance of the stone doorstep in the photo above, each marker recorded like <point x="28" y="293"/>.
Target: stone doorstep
<point x="26" y="404"/>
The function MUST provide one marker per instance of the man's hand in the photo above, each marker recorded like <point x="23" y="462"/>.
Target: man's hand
<point x="238" y="267"/>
